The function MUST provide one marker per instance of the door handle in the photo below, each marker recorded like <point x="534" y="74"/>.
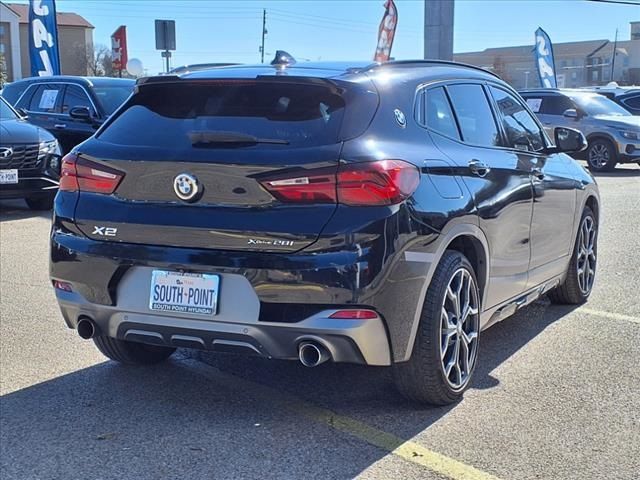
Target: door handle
<point x="60" y="126"/>
<point x="479" y="168"/>
<point x="538" y="173"/>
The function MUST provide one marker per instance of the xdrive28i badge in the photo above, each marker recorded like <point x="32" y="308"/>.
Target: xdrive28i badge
<point x="186" y="187"/>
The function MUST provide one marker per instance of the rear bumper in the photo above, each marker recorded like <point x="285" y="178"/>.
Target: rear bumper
<point x="386" y="269"/>
<point x="111" y="285"/>
<point x="352" y="341"/>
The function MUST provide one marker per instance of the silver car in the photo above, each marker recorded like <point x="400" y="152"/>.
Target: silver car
<point x="612" y="132"/>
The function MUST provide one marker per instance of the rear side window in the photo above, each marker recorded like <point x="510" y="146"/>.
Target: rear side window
<point x="474" y="115"/>
<point x="46" y="99"/>
<point x="111" y="97"/>
<point x="75" y="96"/>
<point x="294" y="113"/>
<point x="555" y="105"/>
<point x="438" y="114"/>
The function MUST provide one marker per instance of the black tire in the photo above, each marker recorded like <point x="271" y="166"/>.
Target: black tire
<point x="607" y="148"/>
<point x="569" y="291"/>
<point x="422" y="379"/>
<point x="132" y="353"/>
<point x="44" y="202"/>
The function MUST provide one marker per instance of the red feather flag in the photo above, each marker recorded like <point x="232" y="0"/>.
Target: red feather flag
<point x="386" y="32"/>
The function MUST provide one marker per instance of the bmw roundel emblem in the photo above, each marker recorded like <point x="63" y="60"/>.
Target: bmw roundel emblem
<point x="186" y="187"/>
<point x="400" y="118"/>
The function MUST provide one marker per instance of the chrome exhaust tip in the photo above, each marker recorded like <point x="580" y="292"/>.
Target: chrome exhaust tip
<point x="312" y="355"/>
<point x="86" y="328"/>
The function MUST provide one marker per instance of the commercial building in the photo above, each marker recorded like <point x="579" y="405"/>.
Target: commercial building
<point x="578" y="64"/>
<point x="75" y="41"/>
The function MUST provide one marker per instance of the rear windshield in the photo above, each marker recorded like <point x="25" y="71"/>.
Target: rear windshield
<point x="291" y="113"/>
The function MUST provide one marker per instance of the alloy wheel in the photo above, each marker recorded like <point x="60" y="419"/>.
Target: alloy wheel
<point x="586" y="263"/>
<point x="599" y="155"/>
<point x="459" y="326"/>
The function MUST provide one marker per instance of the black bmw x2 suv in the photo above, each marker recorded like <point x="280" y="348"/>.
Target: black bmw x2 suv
<point x="378" y="214"/>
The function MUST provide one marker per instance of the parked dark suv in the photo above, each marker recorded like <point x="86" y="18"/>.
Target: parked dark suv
<point x="377" y="214"/>
<point x="29" y="160"/>
<point x="72" y="108"/>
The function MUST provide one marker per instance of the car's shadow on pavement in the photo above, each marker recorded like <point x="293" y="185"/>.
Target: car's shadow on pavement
<point x="18" y="210"/>
<point x="618" y="173"/>
<point x="170" y="421"/>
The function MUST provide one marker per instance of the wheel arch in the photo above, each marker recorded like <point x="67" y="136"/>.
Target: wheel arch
<point x="594" y="205"/>
<point x="469" y="240"/>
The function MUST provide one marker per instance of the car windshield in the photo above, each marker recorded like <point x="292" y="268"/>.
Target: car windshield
<point x="111" y="97"/>
<point x="597" y="104"/>
<point x="6" y="112"/>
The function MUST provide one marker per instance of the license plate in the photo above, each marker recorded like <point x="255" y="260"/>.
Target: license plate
<point x="184" y="292"/>
<point x="9" y="176"/>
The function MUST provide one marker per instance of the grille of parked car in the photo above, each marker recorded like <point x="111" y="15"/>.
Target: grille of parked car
<point x="23" y="157"/>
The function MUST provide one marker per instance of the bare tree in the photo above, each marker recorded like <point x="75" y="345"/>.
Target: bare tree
<point x="96" y="61"/>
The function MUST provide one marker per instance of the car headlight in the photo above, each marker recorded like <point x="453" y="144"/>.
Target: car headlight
<point x="47" y="148"/>
<point x="630" y="135"/>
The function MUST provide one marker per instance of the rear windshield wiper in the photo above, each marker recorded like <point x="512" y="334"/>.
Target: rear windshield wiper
<point x="205" y="138"/>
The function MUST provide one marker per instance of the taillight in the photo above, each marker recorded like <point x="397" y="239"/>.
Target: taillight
<point x="317" y="186"/>
<point x="384" y="182"/>
<point x="76" y="173"/>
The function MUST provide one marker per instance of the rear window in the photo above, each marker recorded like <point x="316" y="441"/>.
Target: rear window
<point x="298" y="114"/>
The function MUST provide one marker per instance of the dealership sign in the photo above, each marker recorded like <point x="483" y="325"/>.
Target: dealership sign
<point x="43" y="38"/>
<point x="544" y="60"/>
<point x="119" y="48"/>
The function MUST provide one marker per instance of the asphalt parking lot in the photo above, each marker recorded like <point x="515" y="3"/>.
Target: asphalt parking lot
<point x="556" y="394"/>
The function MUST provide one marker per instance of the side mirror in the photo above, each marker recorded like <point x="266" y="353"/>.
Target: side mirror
<point x="80" y="113"/>
<point x="569" y="140"/>
<point x="570" y="113"/>
<point x="23" y="113"/>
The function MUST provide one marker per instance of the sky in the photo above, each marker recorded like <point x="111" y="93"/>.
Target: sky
<point x="230" y="30"/>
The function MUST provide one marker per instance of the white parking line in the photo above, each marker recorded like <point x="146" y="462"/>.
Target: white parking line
<point x="615" y="316"/>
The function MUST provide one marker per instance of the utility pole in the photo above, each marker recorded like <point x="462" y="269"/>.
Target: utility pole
<point x="264" y="32"/>
<point x="613" y="55"/>
<point x="438" y="29"/>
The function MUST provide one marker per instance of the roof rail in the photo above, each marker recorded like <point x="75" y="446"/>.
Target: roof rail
<point x="427" y="62"/>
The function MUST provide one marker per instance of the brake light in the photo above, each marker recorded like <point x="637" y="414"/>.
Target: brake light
<point x="78" y="174"/>
<point x="354" y="314"/>
<point x="317" y="186"/>
<point x="384" y="182"/>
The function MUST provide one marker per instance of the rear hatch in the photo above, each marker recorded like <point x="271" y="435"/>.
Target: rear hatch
<point x="224" y="139"/>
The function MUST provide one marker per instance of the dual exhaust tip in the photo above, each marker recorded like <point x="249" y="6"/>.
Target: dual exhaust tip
<point x="312" y="354"/>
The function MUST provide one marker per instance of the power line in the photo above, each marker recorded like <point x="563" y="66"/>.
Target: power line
<point x="635" y="3"/>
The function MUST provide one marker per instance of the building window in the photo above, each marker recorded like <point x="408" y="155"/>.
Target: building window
<point x="594" y="75"/>
<point x="574" y="75"/>
<point x="2" y="30"/>
<point x="2" y="48"/>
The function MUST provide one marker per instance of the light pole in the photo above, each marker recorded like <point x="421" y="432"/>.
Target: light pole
<point x="526" y="79"/>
